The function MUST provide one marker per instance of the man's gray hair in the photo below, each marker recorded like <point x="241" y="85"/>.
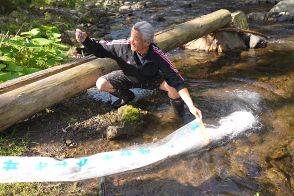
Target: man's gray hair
<point x="146" y="30"/>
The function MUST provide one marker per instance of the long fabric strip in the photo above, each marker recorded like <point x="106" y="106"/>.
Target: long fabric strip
<point x="188" y="137"/>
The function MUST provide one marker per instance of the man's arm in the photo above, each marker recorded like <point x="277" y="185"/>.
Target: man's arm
<point x="94" y="47"/>
<point x="185" y="95"/>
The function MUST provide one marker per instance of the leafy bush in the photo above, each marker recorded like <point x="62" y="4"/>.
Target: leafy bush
<point x="32" y="51"/>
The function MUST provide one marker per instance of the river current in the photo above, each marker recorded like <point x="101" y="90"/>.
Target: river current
<point x="255" y="80"/>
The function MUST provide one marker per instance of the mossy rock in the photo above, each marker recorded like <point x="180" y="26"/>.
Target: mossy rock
<point x="131" y="115"/>
<point x="131" y="120"/>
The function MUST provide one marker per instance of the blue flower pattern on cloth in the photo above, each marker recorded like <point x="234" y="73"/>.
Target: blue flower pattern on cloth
<point x="10" y="165"/>
<point x="41" y="165"/>
<point x="107" y="157"/>
<point x="144" y="151"/>
<point x="126" y="153"/>
<point x="61" y="164"/>
<point x="82" y="162"/>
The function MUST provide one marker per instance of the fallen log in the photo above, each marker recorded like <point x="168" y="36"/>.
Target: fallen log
<point x="27" y="79"/>
<point x="24" y="101"/>
<point x="193" y="29"/>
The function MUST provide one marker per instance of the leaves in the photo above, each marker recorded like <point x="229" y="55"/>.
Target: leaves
<point x="34" y="50"/>
<point x="2" y="66"/>
<point x="14" y="68"/>
<point x="41" y="41"/>
<point x="32" y="33"/>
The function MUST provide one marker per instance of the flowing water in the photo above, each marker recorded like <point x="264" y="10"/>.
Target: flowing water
<point x="258" y="80"/>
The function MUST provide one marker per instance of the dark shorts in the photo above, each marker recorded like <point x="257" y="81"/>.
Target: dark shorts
<point x="120" y="81"/>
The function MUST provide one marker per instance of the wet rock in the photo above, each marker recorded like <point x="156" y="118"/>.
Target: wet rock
<point x="68" y="142"/>
<point x="65" y="13"/>
<point x="129" y="122"/>
<point x="125" y="8"/>
<point x="158" y="17"/>
<point x="94" y="16"/>
<point x="185" y="4"/>
<point x="257" y="16"/>
<point x="286" y="6"/>
<point x="116" y="132"/>
<point x="253" y="169"/>
<point x="138" y="6"/>
<point x="239" y="20"/>
<point x="218" y="41"/>
<point x="261" y="1"/>
<point x="256" y="41"/>
<point x="283" y="11"/>
<point x="281" y="161"/>
<point x="112" y="132"/>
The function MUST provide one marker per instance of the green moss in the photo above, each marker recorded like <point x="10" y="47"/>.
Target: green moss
<point x="132" y="115"/>
<point x="12" y="147"/>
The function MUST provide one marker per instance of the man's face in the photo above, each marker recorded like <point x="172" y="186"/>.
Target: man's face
<point x="138" y="44"/>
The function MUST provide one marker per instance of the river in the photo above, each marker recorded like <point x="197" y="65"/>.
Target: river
<point x="259" y="161"/>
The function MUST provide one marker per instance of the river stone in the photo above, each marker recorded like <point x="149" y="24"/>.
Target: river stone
<point x="239" y="20"/>
<point x="125" y="8"/>
<point x="218" y="41"/>
<point x="281" y="159"/>
<point x="261" y="1"/>
<point x="275" y="177"/>
<point x="130" y="122"/>
<point x="138" y="6"/>
<point x="158" y="17"/>
<point x="256" y="41"/>
<point x="283" y="6"/>
<point x="257" y="16"/>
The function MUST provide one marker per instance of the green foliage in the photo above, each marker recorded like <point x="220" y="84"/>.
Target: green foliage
<point x="31" y="51"/>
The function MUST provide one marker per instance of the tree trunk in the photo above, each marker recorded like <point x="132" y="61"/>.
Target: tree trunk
<point x="193" y="29"/>
<point x="30" y="78"/>
<point x="36" y="95"/>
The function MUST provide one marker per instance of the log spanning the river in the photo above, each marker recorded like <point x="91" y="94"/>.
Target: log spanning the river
<point x="33" y="96"/>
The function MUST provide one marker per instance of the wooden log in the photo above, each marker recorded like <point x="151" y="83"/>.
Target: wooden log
<point x="24" y="101"/>
<point x="27" y="79"/>
<point x="193" y="29"/>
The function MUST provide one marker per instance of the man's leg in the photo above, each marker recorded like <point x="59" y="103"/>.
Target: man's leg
<point x="118" y="85"/>
<point x="175" y="99"/>
<point x="103" y="85"/>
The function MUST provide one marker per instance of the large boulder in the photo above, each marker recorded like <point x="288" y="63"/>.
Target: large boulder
<point x="284" y="6"/>
<point x="217" y="42"/>
<point x="283" y="11"/>
<point x="222" y="41"/>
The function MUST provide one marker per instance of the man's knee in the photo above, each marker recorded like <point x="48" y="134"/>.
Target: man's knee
<point x="102" y="84"/>
<point x="172" y="92"/>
